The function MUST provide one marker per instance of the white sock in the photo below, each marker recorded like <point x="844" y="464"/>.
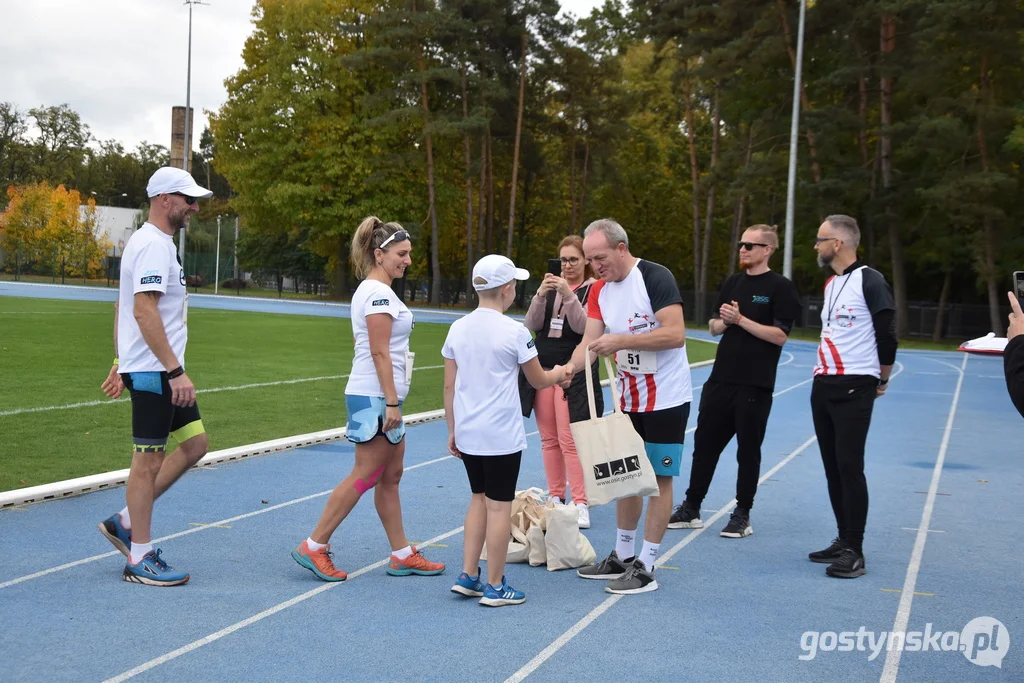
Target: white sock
<point x="313" y="545"/>
<point x="126" y="520"/>
<point x="139" y="551"/>
<point x="625" y="547"/>
<point x="649" y="554"/>
<point x="404" y="553"/>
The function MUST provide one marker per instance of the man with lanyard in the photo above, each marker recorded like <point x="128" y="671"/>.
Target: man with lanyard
<point x="638" y="302"/>
<point x="855" y="358"/>
<point x="757" y="309"/>
<point x="150" y="333"/>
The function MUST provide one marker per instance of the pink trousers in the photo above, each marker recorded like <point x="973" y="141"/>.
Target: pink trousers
<point x="560" y="458"/>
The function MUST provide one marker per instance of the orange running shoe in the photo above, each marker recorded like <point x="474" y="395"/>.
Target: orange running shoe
<point x="319" y="562"/>
<point x="414" y="564"/>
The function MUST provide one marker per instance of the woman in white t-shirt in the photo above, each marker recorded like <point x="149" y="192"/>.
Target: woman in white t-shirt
<point x="377" y="386"/>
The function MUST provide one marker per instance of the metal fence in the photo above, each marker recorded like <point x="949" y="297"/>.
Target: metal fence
<point x="204" y="271"/>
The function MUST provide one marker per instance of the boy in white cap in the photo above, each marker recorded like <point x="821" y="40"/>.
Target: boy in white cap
<point x="483" y="354"/>
<point x="150" y="334"/>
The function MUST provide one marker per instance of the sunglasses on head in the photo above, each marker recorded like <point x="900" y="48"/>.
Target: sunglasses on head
<point x="749" y="246"/>
<point x="188" y="199"/>
<point x="399" y="236"/>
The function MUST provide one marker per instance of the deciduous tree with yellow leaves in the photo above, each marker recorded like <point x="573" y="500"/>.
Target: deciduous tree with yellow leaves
<point x="50" y="230"/>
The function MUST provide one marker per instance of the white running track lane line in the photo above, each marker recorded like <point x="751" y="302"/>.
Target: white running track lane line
<point x="240" y="387"/>
<point x="892" y="657"/>
<point x="607" y="604"/>
<point x="186" y="532"/>
<point x="195" y="645"/>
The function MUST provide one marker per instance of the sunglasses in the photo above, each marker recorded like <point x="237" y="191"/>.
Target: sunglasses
<point x="819" y="240"/>
<point x="188" y="199"/>
<point x="571" y="260"/>
<point x="749" y="246"/>
<point x="399" y="236"/>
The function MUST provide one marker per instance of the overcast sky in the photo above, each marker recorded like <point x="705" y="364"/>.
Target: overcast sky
<point x="121" y="64"/>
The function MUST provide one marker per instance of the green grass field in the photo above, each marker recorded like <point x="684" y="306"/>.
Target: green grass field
<point x="55" y="353"/>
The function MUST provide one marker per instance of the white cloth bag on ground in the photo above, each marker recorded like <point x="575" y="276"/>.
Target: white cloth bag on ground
<point x="525" y="515"/>
<point x="565" y="546"/>
<point x="612" y="454"/>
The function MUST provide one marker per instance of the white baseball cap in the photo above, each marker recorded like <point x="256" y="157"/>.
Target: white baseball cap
<point x="495" y="271"/>
<point x="170" y="180"/>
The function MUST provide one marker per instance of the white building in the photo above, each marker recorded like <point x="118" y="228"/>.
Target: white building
<point x="116" y="225"/>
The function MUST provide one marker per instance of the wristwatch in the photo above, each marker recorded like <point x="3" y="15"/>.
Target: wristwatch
<point x="882" y="382"/>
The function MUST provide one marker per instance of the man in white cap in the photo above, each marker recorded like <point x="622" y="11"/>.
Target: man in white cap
<point x="150" y="333"/>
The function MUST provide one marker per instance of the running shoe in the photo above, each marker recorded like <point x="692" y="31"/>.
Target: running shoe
<point x="414" y="564"/>
<point x="319" y="562"/>
<point x="829" y="554"/>
<point x="739" y="524"/>
<point x="636" y="580"/>
<point x="115" y="532"/>
<point x="502" y="595"/>
<point x="469" y="586"/>
<point x="850" y="564"/>
<point x="153" y="571"/>
<point x="686" y="516"/>
<point x="610" y="567"/>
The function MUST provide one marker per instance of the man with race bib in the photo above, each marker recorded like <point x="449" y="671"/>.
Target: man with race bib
<point x="636" y="313"/>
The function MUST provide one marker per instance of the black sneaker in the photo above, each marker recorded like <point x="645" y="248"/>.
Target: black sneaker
<point x="739" y="524"/>
<point x="850" y="565"/>
<point x="829" y="554"/>
<point x="685" y="517"/>
<point x="610" y="567"/>
<point x="636" y="580"/>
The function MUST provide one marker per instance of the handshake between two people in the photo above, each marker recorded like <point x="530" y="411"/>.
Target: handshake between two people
<point x="605" y="345"/>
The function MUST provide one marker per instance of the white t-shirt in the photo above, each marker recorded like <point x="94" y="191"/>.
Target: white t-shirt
<point x="656" y="380"/>
<point x="488" y="347"/>
<point x="374" y="297"/>
<point x="150" y="264"/>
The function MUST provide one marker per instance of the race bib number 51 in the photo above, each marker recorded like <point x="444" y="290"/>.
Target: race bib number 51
<point x="637" y="362"/>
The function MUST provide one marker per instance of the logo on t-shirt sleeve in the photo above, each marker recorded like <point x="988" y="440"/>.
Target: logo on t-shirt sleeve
<point x="380" y="302"/>
<point x="151" y="277"/>
<point x="530" y="344"/>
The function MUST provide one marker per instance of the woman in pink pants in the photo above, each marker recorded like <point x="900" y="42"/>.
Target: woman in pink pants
<point x="558" y="315"/>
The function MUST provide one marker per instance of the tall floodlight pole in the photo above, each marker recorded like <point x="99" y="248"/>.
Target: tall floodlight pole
<point x="794" y="137"/>
<point x="187" y="154"/>
<point x="216" y="275"/>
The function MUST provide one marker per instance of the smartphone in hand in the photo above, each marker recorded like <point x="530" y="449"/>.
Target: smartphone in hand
<point x="555" y="266"/>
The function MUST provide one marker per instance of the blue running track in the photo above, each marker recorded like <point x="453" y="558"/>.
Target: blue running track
<point x="943" y="448"/>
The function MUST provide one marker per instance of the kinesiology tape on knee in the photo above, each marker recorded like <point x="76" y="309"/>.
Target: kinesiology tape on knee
<point x="364" y="485"/>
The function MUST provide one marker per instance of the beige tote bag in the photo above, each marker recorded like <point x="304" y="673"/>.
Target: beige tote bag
<point x="612" y="454"/>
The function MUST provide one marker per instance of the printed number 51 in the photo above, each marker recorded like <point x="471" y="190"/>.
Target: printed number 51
<point x="633" y="359"/>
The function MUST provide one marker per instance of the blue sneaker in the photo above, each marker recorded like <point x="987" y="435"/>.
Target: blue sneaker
<point x="501" y="596"/>
<point x="120" y="537"/>
<point x="469" y="586"/>
<point x="153" y="571"/>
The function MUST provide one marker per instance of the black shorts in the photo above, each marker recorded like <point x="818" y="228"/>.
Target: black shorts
<point x="154" y="417"/>
<point x="663" y="432"/>
<point x="495" y="476"/>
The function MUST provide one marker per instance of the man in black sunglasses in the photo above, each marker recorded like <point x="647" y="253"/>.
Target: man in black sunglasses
<point x="756" y="311"/>
<point x="150" y="335"/>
